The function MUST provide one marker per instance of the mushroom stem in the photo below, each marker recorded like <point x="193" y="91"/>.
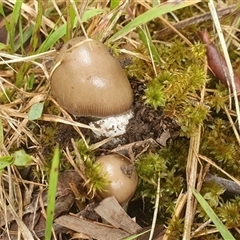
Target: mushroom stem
<point x="112" y="126"/>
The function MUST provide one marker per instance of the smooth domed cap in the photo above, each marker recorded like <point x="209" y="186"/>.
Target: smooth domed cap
<point x="122" y="176"/>
<point x="88" y="81"/>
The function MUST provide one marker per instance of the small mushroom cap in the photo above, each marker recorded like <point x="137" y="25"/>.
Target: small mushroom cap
<point x="122" y="184"/>
<point x="88" y="81"/>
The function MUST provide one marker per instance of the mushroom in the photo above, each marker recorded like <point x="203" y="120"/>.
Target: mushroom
<point x="88" y="81"/>
<point x="122" y="177"/>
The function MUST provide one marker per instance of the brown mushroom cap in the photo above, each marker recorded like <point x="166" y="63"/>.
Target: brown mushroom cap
<point x="122" y="185"/>
<point x="88" y="81"/>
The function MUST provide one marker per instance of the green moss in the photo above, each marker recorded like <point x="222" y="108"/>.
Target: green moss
<point x="212" y="193"/>
<point x="229" y="212"/>
<point x="214" y="236"/>
<point x="84" y="151"/>
<point x="95" y="179"/>
<point x="177" y="87"/>
<point x="140" y="69"/>
<point x="175" y="229"/>
<point x="150" y="166"/>
<point x="218" y="99"/>
<point x="5" y="96"/>
<point x="219" y="144"/>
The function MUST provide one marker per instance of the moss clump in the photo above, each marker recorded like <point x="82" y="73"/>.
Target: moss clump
<point x="175" y="229"/>
<point x="178" y="85"/>
<point x="152" y="166"/>
<point x="219" y="144"/>
<point x="92" y="170"/>
<point x="229" y="212"/>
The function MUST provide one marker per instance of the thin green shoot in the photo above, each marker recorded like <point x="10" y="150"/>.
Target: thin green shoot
<point x="212" y="215"/>
<point x="16" y="14"/>
<point x="145" y="36"/>
<point x="52" y="190"/>
<point x="114" y="4"/>
<point x="1" y="135"/>
<point x="58" y="33"/>
<point x="135" y="236"/>
<point x="150" y="15"/>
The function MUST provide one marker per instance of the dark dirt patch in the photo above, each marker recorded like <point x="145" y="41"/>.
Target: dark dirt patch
<point x="147" y="123"/>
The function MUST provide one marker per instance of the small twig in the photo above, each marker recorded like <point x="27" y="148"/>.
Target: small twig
<point x="180" y="204"/>
<point x="195" y="20"/>
<point x="229" y="185"/>
<point x="191" y="171"/>
<point x="70" y="159"/>
<point x="129" y="147"/>
<point x="201" y="227"/>
<point x="220" y="169"/>
<point x="78" y="17"/>
<point x="232" y="124"/>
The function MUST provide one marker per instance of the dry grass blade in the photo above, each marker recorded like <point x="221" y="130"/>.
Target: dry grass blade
<point x="31" y="11"/>
<point x="180" y="204"/>
<point x="79" y="14"/>
<point x="232" y="124"/>
<point x="23" y="229"/>
<point x="156" y="209"/>
<point x="226" y="55"/>
<point x="220" y="169"/>
<point x="191" y="171"/>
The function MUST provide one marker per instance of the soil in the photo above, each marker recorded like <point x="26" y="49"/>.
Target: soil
<point x="147" y="123"/>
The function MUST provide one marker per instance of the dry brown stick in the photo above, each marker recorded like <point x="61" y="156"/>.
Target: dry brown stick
<point x="196" y="19"/>
<point x="229" y="185"/>
<point x="191" y="171"/>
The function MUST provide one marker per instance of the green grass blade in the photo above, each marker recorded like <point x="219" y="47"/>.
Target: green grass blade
<point x="114" y="4"/>
<point x="71" y="18"/>
<point x="21" y="39"/>
<point x="62" y="30"/>
<point x="144" y="35"/>
<point x="52" y="190"/>
<point x="37" y="26"/>
<point x="212" y="215"/>
<point x="150" y="15"/>
<point x="154" y="3"/>
<point x="135" y="236"/>
<point x="5" y="161"/>
<point x="24" y="36"/>
<point x="91" y="13"/>
<point x="16" y="14"/>
<point x="2" y="11"/>
<point x="1" y="135"/>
